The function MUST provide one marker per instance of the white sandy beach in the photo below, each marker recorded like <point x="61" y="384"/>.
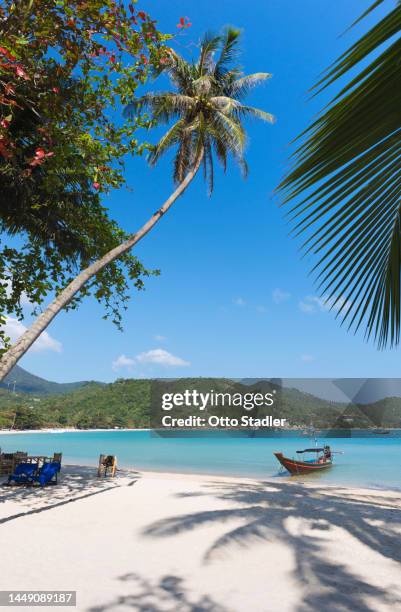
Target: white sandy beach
<point x="168" y="542"/>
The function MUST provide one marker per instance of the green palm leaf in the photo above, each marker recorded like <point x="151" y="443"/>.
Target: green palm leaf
<point x="228" y="53"/>
<point x="345" y="187"/>
<point x="240" y="87"/>
<point x="209" y="46"/>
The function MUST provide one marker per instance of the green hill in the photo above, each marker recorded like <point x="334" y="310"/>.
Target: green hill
<point x="23" y="382"/>
<point x="126" y="403"/>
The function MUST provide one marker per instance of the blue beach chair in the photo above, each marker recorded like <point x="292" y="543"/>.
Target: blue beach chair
<point x="47" y="473"/>
<point x="23" y="473"/>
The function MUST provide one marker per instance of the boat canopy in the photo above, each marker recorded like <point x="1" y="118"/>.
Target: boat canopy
<point x="311" y="450"/>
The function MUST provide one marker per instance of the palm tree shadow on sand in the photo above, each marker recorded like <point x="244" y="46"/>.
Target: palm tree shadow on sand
<point x="75" y="483"/>
<point x="263" y="510"/>
<point x="169" y="593"/>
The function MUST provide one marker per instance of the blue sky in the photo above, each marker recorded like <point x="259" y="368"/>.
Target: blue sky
<point x="234" y="297"/>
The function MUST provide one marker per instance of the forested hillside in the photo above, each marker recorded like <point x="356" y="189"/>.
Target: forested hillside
<point x="126" y="403"/>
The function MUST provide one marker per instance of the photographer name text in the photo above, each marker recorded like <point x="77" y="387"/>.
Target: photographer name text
<point x="222" y="421"/>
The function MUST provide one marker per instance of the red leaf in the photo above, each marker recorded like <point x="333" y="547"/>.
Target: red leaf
<point x="21" y="73"/>
<point x="7" y="53"/>
<point x="9" y="89"/>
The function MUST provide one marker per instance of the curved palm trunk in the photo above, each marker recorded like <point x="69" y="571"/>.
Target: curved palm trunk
<point x="12" y="356"/>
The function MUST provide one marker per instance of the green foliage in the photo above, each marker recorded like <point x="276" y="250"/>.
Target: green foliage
<point x="126" y="403"/>
<point x="205" y="108"/>
<point x="120" y="404"/>
<point x="28" y="417"/>
<point x="67" y="68"/>
<point x="346" y="185"/>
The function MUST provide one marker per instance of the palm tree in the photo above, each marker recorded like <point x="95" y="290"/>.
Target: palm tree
<point x="345" y="185"/>
<point x="208" y="114"/>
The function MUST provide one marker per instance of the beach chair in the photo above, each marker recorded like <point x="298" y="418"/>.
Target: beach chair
<point x="47" y="473"/>
<point x="107" y="464"/>
<point x="57" y="457"/>
<point x="23" y="473"/>
<point x="8" y="461"/>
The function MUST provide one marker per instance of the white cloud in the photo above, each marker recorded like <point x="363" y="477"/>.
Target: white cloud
<point x="160" y="338"/>
<point x="239" y="301"/>
<point x="261" y="309"/>
<point x="280" y="296"/>
<point x="307" y="358"/>
<point x="14" y="329"/>
<point x="313" y="303"/>
<point x="122" y="362"/>
<point x="155" y="356"/>
<point x="307" y="307"/>
<point x="161" y="357"/>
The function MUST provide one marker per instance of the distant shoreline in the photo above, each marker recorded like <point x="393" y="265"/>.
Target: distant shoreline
<point x="63" y="430"/>
<point x="59" y="430"/>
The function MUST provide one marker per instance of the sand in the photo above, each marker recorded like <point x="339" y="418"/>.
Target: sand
<point x="163" y="542"/>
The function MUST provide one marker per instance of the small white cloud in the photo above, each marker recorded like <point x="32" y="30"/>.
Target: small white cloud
<point x="307" y="307"/>
<point x="239" y="301"/>
<point x="313" y="303"/>
<point x="280" y="296"/>
<point x="161" y="357"/>
<point x="307" y="358"/>
<point x="122" y="362"/>
<point x="261" y="309"/>
<point x="160" y="338"/>
<point x="14" y="329"/>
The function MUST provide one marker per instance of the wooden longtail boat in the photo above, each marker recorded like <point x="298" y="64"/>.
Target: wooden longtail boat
<point x="295" y="466"/>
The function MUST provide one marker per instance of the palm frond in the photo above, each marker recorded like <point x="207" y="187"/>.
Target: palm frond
<point x="228" y="52"/>
<point x="209" y="45"/>
<point x="224" y="103"/>
<point x="221" y="152"/>
<point x="379" y="34"/>
<point x="368" y="10"/>
<point x="164" y="105"/>
<point x="250" y="111"/>
<point x="239" y="88"/>
<point x="233" y="132"/>
<point x="170" y="138"/>
<point x="345" y="185"/>
<point x="181" y="73"/>
<point x="184" y="157"/>
<point x="208" y="170"/>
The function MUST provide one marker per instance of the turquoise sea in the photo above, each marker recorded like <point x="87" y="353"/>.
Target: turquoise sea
<point x="370" y="460"/>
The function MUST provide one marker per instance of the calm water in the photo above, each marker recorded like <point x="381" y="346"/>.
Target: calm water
<point x="373" y="461"/>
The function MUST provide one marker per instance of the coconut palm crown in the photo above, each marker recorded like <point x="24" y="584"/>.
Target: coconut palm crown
<point x="206" y="108"/>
